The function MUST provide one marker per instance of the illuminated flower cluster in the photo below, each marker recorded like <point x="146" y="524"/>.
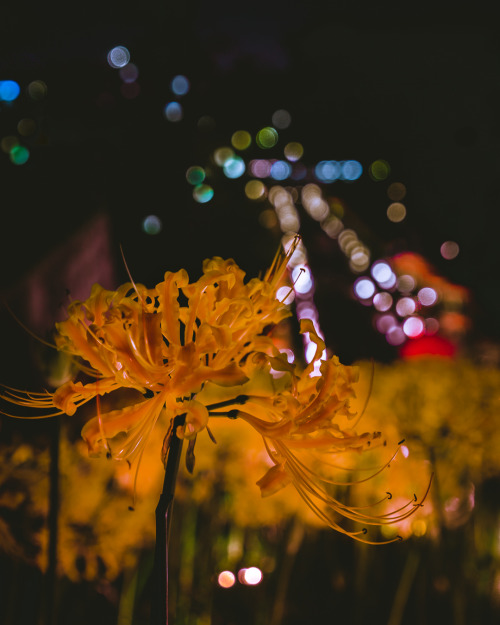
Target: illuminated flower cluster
<point x="91" y="545"/>
<point x="447" y="412"/>
<point x="204" y="350"/>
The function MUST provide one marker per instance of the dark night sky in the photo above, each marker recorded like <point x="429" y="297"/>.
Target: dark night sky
<point x="420" y="89"/>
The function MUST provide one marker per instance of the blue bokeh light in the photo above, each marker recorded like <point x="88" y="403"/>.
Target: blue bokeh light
<point x="180" y="85"/>
<point x="9" y="90"/>
<point x="118" y="57"/>
<point x="173" y="112"/>
<point x="351" y="170"/>
<point x="152" y="224"/>
<point x="280" y="170"/>
<point x="328" y="171"/>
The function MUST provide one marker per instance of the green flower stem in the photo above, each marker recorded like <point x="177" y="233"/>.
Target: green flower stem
<point x="159" y="608"/>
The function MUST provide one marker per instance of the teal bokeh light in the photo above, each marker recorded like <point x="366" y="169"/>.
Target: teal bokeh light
<point x="234" y="167"/>
<point x="19" y="155"/>
<point x="203" y="193"/>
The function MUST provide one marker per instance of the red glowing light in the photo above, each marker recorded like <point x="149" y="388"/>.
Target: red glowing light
<point x="428" y="346"/>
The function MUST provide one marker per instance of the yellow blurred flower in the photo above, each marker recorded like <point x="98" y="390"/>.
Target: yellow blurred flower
<point x="447" y="412"/>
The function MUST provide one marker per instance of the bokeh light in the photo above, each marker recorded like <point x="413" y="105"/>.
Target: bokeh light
<point x="19" y="155"/>
<point x="26" y="127"/>
<point x="251" y="576"/>
<point x="281" y="119"/>
<point x="152" y="224"/>
<point x="337" y="206"/>
<point x="328" y="171"/>
<point x="381" y="271"/>
<point x="333" y="226"/>
<point x="302" y="280"/>
<point x="8" y="143"/>
<point x="268" y="219"/>
<point x="195" y="175"/>
<point x="255" y="190"/>
<point x="359" y="259"/>
<point x="306" y="310"/>
<point x="280" y="170"/>
<point x="310" y="352"/>
<point x="241" y="140"/>
<point x="449" y="250"/>
<point x="347" y="240"/>
<point x="203" y="193"/>
<point x="226" y="579"/>
<point x="427" y="296"/>
<point x="405" y="306"/>
<point x="173" y="112"/>
<point x="396" y="212"/>
<point x="413" y="327"/>
<point x="260" y="168"/>
<point x="382" y="301"/>
<point x="384" y="323"/>
<point x="379" y="170"/>
<point x="267" y="137"/>
<point x="129" y="73"/>
<point x="431" y="325"/>
<point x="234" y="167"/>
<point x="221" y="155"/>
<point x="395" y="336"/>
<point x="286" y="296"/>
<point x="314" y="203"/>
<point x="37" y="90"/>
<point x="9" y="90"/>
<point x="396" y="191"/>
<point x="293" y="151"/>
<point x="118" y="57"/>
<point x="180" y="85"/>
<point x="389" y="283"/>
<point x="351" y="170"/>
<point x="364" y="288"/>
<point x="405" y="283"/>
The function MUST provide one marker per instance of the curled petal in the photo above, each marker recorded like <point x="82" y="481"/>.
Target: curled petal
<point x="72" y="394"/>
<point x="274" y="480"/>
<point x="196" y="419"/>
<point x="306" y="325"/>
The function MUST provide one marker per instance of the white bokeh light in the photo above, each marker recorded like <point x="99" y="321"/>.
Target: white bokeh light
<point x="427" y="296"/>
<point x="381" y="271"/>
<point x="413" y="327"/>
<point x="364" y="288"/>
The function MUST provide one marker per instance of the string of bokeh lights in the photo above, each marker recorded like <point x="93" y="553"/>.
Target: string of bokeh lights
<point x="251" y="576"/>
<point x="404" y="307"/>
<point x="279" y="178"/>
<point x="17" y="146"/>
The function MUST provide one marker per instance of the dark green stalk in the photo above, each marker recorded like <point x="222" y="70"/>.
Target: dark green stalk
<point x="159" y="607"/>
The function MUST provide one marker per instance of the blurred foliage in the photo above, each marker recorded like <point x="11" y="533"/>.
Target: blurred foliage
<point x="447" y="570"/>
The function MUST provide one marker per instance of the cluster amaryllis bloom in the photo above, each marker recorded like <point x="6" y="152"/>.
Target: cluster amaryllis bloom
<point x="305" y="422"/>
<point x="203" y="349"/>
